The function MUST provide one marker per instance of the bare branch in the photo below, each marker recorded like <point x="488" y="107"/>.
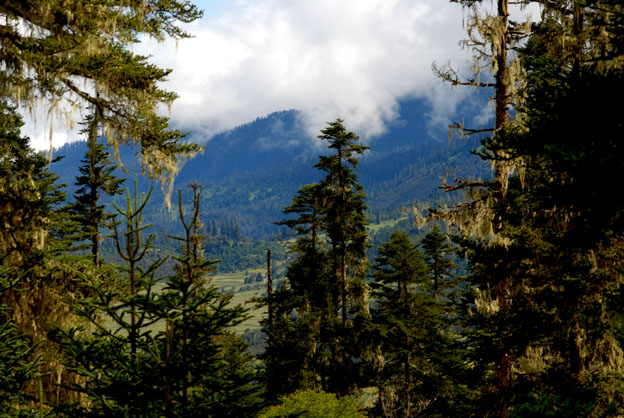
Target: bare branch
<point x="460" y="184"/>
<point x="463" y="131"/>
<point x="448" y="74"/>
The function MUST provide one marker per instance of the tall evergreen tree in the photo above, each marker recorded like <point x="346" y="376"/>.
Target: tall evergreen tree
<point x="207" y="371"/>
<point x="344" y="220"/>
<point x="436" y="250"/>
<point x="31" y="237"/>
<point x="28" y="196"/>
<point x="493" y="38"/>
<point x="96" y="177"/>
<point x="560" y="252"/>
<point x="321" y="313"/>
<point x="295" y="356"/>
<point x="409" y="323"/>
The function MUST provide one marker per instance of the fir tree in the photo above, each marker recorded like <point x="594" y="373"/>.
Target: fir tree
<point x="81" y="52"/>
<point x="295" y="356"/>
<point x="559" y="254"/>
<point x="409" y="323"/>
<point x="164" y="353"/>
<point x="436" y="250"/>
<point x="208" y="372"/>
<point x="32" y="235"/>
<point x="343" y="205"/>
<point x="28" y="196"/>
<point x="18" y="365"/>
<point x="96" y="177"/>
<point x="319" y="316"/>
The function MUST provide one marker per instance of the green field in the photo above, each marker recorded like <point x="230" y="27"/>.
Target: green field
<point x="243" y="294"/>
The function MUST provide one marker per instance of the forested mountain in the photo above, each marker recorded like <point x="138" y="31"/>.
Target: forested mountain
<point x="250" y="173"/>
<point x="514" y="308"/>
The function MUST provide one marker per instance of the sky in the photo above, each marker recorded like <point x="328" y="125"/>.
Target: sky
<point x="349" y="59"/>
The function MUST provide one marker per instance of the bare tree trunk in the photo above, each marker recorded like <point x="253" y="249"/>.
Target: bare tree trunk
<point x="269" y="290"/>
<point x="343" y="263"/>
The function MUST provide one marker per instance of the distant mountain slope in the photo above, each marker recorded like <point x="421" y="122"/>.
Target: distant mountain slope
<point x="250" y="173"/>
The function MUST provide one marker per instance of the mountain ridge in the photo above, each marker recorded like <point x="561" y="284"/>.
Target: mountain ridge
<point x="252" y="171"/>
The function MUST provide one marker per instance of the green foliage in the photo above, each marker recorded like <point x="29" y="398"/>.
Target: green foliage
<point x="18" y="363"/>
<point x="308" y="343"/>
<point x="543" y="405"/>
<point x="544" y="288"/>
<point x="96" y="177"/>
<point x="409" y="329"/>
<point x="314" y="404"/>
<point x="437" y="250"/>
<point x="80" y="51"/>
<point x="157" y="353"/>
<point x="28" y="195"/>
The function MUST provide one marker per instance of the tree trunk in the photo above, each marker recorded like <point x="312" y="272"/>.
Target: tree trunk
<point x="269" y="290"/>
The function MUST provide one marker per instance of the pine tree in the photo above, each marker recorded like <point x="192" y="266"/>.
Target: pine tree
<point x="96" y="177"/>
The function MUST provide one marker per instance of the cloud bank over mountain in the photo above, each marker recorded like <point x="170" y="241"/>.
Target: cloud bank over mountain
<point x="353" y="59"/>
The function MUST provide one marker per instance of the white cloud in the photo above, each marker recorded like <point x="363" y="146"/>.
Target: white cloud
<point x="352" y="59"/>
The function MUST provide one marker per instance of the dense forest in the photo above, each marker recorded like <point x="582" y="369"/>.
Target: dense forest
<point x="508" y="304"/>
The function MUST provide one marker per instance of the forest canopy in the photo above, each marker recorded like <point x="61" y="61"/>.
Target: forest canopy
<point x="508" y="304"/>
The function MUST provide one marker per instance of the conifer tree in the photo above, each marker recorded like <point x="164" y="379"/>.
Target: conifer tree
<point x="208" y="372"/>
<point x="321" y="313"/>
<point x="436" y="250"/>
<point x="493" y="38"/>
<point x="409" y="322"/>
<point x="561" y="249"/>
<point x="79" y="53"/>
<point x="32" y="231"/>
<point x="96" y="177"/>
<point x="28" y="195"/>
<point x="295" y="353"/>
<point x="156" y="353"/>
<point x="18" y="365"/>
<point x="343" y="205"/>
